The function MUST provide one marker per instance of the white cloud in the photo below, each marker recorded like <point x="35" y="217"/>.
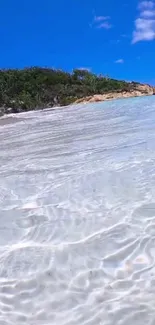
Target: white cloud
<point x="84" y="69"/>
<point x="145" y="30"/>
<point x="101" y="18"/>
<point x="124" y="35"/>
<point x="146" y="4"/>
<point x="145" y="23"/>
<point x="102" y="22"/>
<point x="105" y="25"/>
<point x="119" y="61"/>
<point x="148" y="13"/>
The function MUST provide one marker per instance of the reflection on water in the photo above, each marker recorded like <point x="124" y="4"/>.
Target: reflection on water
<point x="77" y="215"/>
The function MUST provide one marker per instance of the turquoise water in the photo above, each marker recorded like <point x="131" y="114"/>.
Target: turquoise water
<point x="77" y="215"/>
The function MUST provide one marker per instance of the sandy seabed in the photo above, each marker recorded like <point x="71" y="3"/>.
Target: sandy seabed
<point x="77" y="215"/>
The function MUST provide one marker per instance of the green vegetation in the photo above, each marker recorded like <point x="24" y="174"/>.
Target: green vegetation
<point x="34" y="88"/>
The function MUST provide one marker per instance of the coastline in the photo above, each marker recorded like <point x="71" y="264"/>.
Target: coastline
<point x="142" y="90"/>
<point x="115" y="95"/>
<point x="36" y="88"/>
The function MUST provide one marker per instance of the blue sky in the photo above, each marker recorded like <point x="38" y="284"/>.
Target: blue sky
<point x="107" y="36"/>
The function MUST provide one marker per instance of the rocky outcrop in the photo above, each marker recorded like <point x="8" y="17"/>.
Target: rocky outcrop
<point x="136" y="91"/>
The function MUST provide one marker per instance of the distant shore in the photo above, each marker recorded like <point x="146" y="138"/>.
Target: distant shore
<point x="4" y="112"/>
<point x="37" y="88"/>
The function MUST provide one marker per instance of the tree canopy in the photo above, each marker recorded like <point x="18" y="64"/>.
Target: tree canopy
<point x="35" y="87"/>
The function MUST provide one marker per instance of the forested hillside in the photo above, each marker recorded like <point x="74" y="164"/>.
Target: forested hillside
<point x="33" y="88"/>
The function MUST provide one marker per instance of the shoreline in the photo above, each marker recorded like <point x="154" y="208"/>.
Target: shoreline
<point x="111" y="96"/>
<point x="36" y="88"/>
<point x="6" y="112"/>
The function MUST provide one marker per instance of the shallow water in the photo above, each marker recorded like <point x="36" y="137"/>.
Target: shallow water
<point x="77" y="215"/>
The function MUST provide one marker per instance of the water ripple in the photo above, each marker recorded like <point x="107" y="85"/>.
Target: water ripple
<point x="77" y="215"/>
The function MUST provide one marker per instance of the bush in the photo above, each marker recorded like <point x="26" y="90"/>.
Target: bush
<point x="35" y="87"/>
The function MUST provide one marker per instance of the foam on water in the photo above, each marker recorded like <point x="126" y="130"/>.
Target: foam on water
<point x="77" y="215"/>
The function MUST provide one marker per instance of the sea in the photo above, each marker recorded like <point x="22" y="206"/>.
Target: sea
<point x="77" y="215"/>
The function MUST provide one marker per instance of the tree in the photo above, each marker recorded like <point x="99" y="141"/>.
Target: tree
<point x="36" y="87"/>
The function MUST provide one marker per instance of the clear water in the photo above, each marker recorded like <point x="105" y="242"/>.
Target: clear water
<point x="77" y="215"/>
